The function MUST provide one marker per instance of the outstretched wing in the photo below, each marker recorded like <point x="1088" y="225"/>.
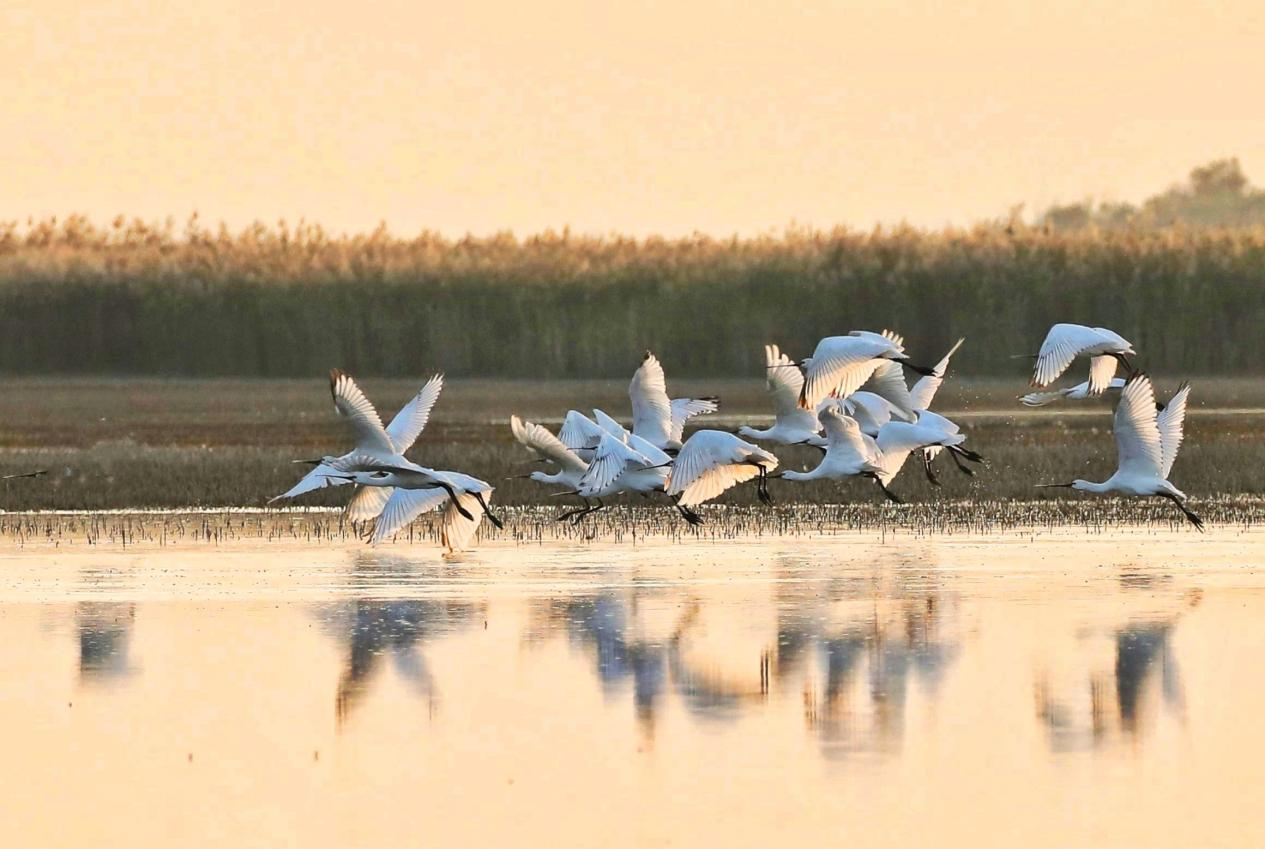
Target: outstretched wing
<point x="840" y="365"/>
<point x="368" y="503"/>
<point x="613" y="456"/>
<point x="888" y="382"/>
<point x="352" y="405"/>
<point x="872" y="412"/>
<point x="684" y="409"/>
<point x="456" y="531"/>
<point x="1101" y="370"/>
<point x="925" y="389"/>
<point x="1171" y="423"/>
<point x="1062" y="345"/>
<point x="706" y="466"/>
<point x="411" y="420"/>
<point x="1137" y="434"/>
<point x="544" y="443"/>
<point x="652" y="411"/>
<point x="579" y="432"/>
<point x="318" y="478"/>
<point x="897" y="440"/>
<point x="403" y="507"/>
<point x="844" y="438"/>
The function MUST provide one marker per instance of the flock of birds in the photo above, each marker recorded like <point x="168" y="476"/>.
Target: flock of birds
<point x="850" y="399"/>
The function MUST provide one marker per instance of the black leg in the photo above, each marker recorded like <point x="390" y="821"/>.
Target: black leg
<point x="486" y="511"/>
<point x="456" y="502"/>
<point x="589" y="509"/>
<point x="1191" y="517"/>
<point x="926" y="465"/>
<point x="567" y="515"/>
<point x="688" y="515"/>
<point x="962" y="467"/>
<point x="891" y="496"/>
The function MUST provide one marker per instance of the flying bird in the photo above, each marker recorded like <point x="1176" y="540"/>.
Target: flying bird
<point x="784" y="382"/>
<point x="840" y="365"/>
<point x="1079" y="392"/>
<point x="712" y="461"/>
<point x="657" y="419"/>
<point x="1065" y="342"/>
<point x="1147" y="441"/>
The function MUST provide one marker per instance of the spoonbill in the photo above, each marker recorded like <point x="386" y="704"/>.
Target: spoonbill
<point x="712" y="461"/>
<point x="1147" y="441"/>
<point x="784" y="382"/>
<point x="1079" y="392"/>
<point x="383" y="444"/>
<point x="841" y="364"/>
<point x="1065" y="342"/>
<point x="539" y="440"/>
<point x="625" y="463"/>
<point x="656" y="419"/>
<point x="416" y="490"/>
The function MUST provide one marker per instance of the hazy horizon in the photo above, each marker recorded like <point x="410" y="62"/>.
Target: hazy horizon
<point x="485" y="117"/>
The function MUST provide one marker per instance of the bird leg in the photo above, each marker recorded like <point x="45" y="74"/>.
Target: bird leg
<point x="891" y="496"/>
<point x="452" y="496"/>
<point x="962" y="467"/>
<point x="1194" y="520"/>
<point x="688" y="515"/>
<point x="926" y="465"/>
<point x="575" y="520"/>
<point x="567" y="515"/>
<point x="762" y="484"/>
<point x="1129" y="370"/>
<point x="486" y="512"/>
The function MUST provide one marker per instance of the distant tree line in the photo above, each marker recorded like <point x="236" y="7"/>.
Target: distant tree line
<point x="294" y="301"/>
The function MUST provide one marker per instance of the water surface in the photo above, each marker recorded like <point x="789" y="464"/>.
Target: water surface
<point x="1050" y="690"/>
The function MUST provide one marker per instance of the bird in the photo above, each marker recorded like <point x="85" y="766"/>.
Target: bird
<point x="1079" y="392"/>
<point x="1147" y="441"/>
<point x="384" y="444"/>
<point x="712" y="461"/>
<point x="539" y="440"/>
<point x="924" y="391"/>
<point x="840" y="365"/>
<point x="791" y="425"/>
<point x="656" y="419"/>
<point x="1065" y="342"/>
<point x="416" y="490"/>
<point x="851" y="452"/>
<point x="625" y="463"/>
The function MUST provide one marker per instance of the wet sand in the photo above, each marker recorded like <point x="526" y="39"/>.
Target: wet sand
<point x="1043" y="688"/>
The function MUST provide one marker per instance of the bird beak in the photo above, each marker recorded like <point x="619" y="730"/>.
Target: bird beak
<point x="1053" y="486"/>
<point x="517" y="477"/>
<point x="307" y="462"/>
<point x="341" y="477"/>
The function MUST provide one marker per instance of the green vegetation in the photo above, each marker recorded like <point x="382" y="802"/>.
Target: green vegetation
<point x="294" y="301"/>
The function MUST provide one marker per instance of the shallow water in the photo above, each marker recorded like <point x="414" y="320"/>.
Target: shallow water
<point x="1049" y="690"/>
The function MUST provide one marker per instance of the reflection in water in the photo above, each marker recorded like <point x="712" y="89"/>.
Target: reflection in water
<point x="1125" y="675"/>
<point x="396" y="629"/>
<point x="105" y="633"/>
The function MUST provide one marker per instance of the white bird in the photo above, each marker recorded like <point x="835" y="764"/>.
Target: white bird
<point x="851" y="452"/>
<point x="656" y="419"/>
<point x="873" y="413"/>
<point x="416" y="490"/>
<point x="624" y="463"/>
<point x="791" y="425"/>
<point x="712" y="461"/>
<point x="1079" y="392"/>
<point x="384" y="444"/>
<point x="1065" y="342"/>
<point x="1147" y="441"/>
<point x="840" y="365"/>
<point x="924" y="391"/>
<point x="571" y="467"/>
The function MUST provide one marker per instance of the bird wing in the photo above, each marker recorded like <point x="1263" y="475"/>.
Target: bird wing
<point x="411" y="420"/>
<point x="844" y="438"/>
<point x="684" y="409"/>
<point x="612" y="457"/>
<point x="652" y="411"/>
<point x="1061" y="346"/>
<point x="368" y="503"/>
<point x="315" y="479"/>
<point x="403" y="507"/>
<point x="888" y="382"/>
<point x="609" y="425"/>
<point x="871" y="411"/>
<point x="656" y="455"/>
<point x="1041" y="399"/>
<point x="925" y="389"/>
<point x="456" y="531"/>
<point x="897" y="440"/>
<point x="840" y="365"/>
<point x="1101" y="370"/>
<point x="538" y="439"/>
<point x="1137" y="434"/>
<point x="926" y="418"/>
<point x="702" y="451"/>
<point x="352" y="405"/>
<point x="1171" y="422"/>
<point x="712" y="482"/>
<point x="579" y="431"/>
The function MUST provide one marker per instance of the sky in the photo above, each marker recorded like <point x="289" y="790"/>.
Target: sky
<point x="639" y="118"/>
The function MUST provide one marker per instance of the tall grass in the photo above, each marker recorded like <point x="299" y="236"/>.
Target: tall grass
<point x="295" y="300"/>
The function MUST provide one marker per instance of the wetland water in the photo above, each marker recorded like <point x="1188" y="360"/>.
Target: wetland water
<point x="1055" y="690"/>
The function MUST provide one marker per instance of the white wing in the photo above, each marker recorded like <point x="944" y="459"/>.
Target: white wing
<point x="1171" y="422"/>
<point x="844" y="438"/>
<point x="715" y="481"/>
<point x="840" y="365"/>
<point x="871" y="411"/>
<point x="928" y="419"/>
<point x="411" y="420"/>
<point x="368" y="503"/>
<point x="352" y="404"/>
<point x="609" y="425"/>
<point x="1062" y="345"/>
<point x="710" y="463"/>
<point x="652" y="411"/>
<point x="897" y="440"/>
<point x="888" y="382"/>
<point x="579" y="431"/>
<point x="684" y="409"/>
<point x="925" y="389"/>
<point x="313" y="480"/>
<point x="456" y="530"/>
<point x="1101" y="370"/>
<point x="656" y="455"/>
<point x="1078" y="392"/>
<point x="613" y="456"/>
<point x="1137" y="434"/>
<point x="544" y="443"/>
<point x="403" y="507"/>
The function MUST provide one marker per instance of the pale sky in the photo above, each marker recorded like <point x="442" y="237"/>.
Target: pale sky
<point x="645" y="117"/>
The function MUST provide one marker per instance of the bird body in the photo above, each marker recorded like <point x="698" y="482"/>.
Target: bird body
<point x="791" y="425"/>
<point x="1065" y="342"/>
<point x="840" y="365"/>
<point x="1079" y="392"/>
<point x="1147" y="442"/>
<point x="712" y="461"/>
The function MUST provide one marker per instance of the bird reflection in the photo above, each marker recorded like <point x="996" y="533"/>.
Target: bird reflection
<point x="374" y="629"/>
<point x="1124" y="676"/>
<point x="105" y="636"/>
